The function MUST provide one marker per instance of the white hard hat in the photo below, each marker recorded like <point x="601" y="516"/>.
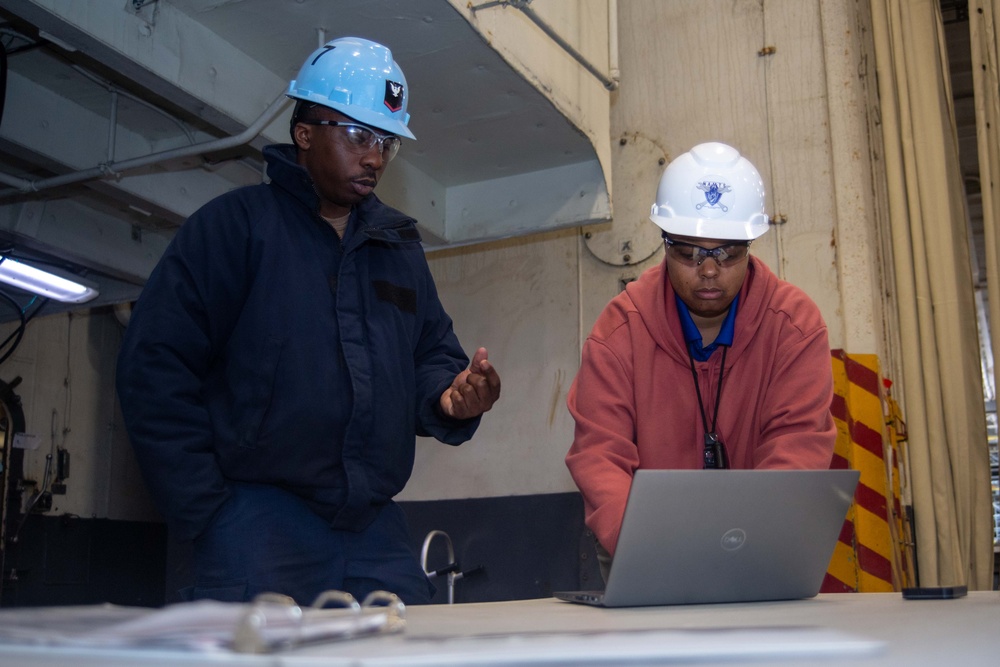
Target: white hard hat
<point x="711" y="192"/>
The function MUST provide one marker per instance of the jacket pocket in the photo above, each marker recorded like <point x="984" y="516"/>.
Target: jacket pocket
<point x="259" y="391"/>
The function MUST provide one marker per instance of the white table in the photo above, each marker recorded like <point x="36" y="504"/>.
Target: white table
<point x="856" y="629"/>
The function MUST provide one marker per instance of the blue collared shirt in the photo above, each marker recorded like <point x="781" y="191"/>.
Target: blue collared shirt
<point x="699" y="351"/>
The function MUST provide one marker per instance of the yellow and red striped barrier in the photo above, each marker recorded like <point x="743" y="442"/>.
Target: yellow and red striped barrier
<point x="868" y="556"/>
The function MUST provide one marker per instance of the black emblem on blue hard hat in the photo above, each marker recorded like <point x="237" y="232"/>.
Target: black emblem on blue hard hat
<point x="713" y="193"/>
<point x="393" y="95"/>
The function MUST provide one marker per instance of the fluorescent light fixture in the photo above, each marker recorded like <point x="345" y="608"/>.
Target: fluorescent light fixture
<point x="44" y="283"/>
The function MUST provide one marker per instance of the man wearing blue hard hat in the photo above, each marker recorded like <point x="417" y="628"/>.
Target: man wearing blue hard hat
<point x="288" y="348"/>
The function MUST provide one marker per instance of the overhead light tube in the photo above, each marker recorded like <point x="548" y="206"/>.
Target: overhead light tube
<point x="44" y="283"/>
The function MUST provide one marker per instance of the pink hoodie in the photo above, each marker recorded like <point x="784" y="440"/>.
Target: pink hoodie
<point x="634" y="398"/>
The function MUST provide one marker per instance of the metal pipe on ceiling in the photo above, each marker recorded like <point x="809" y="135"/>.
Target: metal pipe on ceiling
<point x="112" y="126"/>
<point x="523" y="5"/>
<point x="119" y="92"/>
<point x="21" y="185"/>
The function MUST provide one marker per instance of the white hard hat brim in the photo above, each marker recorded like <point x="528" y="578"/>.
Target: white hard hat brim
<point x="709" y="228"/>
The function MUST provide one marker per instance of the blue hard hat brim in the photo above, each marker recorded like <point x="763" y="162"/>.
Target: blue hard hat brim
<point x="363" y="116"/>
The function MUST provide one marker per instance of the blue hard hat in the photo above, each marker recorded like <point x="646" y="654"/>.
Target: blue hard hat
<point x="358" y="78"/>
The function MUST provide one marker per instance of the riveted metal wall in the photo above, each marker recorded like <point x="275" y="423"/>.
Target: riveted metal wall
<point x="870" y="555"/>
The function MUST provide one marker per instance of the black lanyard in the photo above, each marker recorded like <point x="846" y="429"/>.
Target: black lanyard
<point x="714" y="454"/>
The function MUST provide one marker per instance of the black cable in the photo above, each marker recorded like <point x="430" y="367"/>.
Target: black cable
<point x="19" y="332"/>
<point x="42" y="302"/>
<point x="718" y="394"/>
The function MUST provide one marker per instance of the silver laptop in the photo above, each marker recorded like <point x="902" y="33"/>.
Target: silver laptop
<point x="699" y="536"/>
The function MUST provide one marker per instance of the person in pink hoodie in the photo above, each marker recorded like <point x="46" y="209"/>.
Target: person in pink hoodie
<point x="708" y="360"/>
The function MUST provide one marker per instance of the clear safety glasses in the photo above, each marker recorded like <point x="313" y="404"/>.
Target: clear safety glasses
<point x="690" y="254"/>
<point x="361" y="139"/>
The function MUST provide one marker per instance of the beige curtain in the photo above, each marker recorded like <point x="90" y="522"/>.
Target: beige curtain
<point x="942" y="383"/>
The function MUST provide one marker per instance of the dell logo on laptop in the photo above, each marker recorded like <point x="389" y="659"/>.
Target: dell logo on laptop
<point x="733" y="539"/>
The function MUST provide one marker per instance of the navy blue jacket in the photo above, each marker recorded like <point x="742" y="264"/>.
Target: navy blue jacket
<point x="264" y="349"/>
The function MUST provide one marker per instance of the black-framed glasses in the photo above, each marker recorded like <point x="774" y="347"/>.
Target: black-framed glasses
<point x="693" y="255"/>
<point x="361" y="139"/>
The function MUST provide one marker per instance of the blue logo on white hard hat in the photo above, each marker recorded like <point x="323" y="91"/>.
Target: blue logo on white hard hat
<point x="712" y="197"/>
